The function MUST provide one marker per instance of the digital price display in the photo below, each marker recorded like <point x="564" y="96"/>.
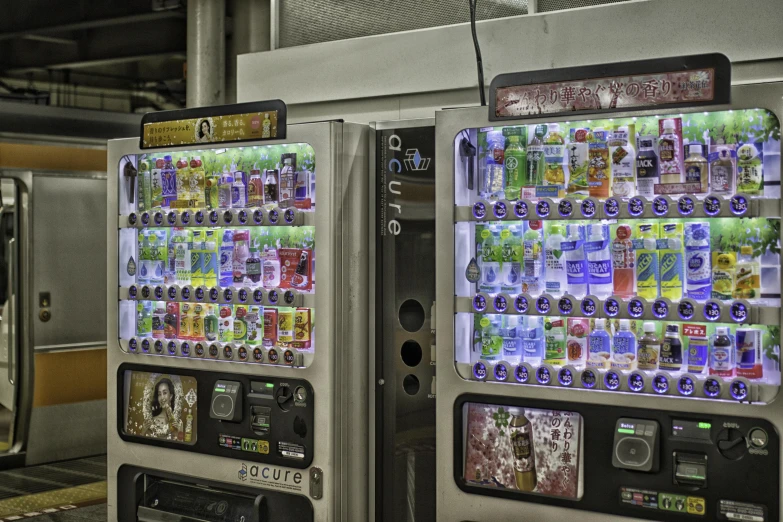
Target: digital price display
<point x="612" y="380"/>
<point x="636" y="382"/>
<point x="521" y="374"/>
<point x="588" y="208"/>
<point x="635" y="207"/>
<point x="542" y="209"/>
<point x="543" y="376"/>
<point x="588" y="306"/>
<point x="588" y="379"/>
<point x="660" y="206"/>
<point x="500" y="210"/>
<point x="611" y="207"/>
<point x="689" y="429"/>
<point x="480" y="371"/>
<point x="479" y="210"/>
<point x="711" y="387"/>
<point x="501" y="372"/>
<point x="565" y="376"/>
<point x="520" y="209"/>
<point x="565" y="208"/>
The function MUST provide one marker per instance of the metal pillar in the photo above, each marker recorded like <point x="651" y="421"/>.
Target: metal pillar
<point x="206" y="53"/>
<point x="250" y="34"/>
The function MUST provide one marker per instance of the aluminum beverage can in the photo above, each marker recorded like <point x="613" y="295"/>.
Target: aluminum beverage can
<point x="748" y="348"/>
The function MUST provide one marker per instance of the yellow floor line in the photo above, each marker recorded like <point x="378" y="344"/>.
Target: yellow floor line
<point x="51" y="499"/>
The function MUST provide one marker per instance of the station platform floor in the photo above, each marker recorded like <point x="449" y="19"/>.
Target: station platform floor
<point x="68" y="491"/>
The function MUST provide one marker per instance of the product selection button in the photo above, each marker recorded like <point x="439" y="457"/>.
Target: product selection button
<point x="611" y="307"/>
<point x="738" y="312"/>
<point x="479" y="303"/>
<point x="588" y="379"/>
<point x="588" y="208"/>
<point x="660" y="384"/>
<point x="636" y="206"/>
<point x="588" y="306"/>
<point x="712" y="311"/>
<point x="500" y="303"/>
<point x="686" y="386"/>
<point x="543" y="375"/>
<point x="501" y="372"/>
<point x="185" y="217"/>
<point x="171" y="218"/>
<point x="565" y="208"/>
<point x="565" y="377"/>
<point x="242" y="216"/>
<point x="739" y="390"/>
<point x="258" y="217"/>
<point x="543" y="209"/>
<point x="739" y="205"/>
<point x="500" y="210"/>
<point x="635" y="308"/>
<point x="480" y="371"/>
<point x="660" y="309"/>
<point x="521" y="304"/>
<point x="199" y="217"/>
<point x="636" y="382"/>
<point x="611" y="380"/>
<point x="685" y="205"/>
<point x="712" y="206"/>
<point x="542" y="305"/>
<point x="686" y="310"/>
<point x="214" y="217"/>
<point x="660" y="206"/>
<point x="521" y="374"/>
<point x="520" y="209"/>
<point x="565" y="306"/>
<point x="274" y="216"/>
<point x="711" y="387"/>
<point x="612" y="207"/>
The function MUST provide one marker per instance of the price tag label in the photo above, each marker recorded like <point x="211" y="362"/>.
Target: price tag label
<point x="686" y="386"/>
<point x="711" y="311"/>
<point x="636" y="382"/>
<point x="500" y="304"/>
<point x="184" y="348"/>
<point x="172" y="293"/>
<point x="520" y="209"/>
<point x="660" y="384"/>
<point x="242" y="216"/>
<point x="542" y="305"/>
<point x="133" y="344"/>
<point x="660" y="309"/>
<point x="273" y="297"/>
<point x="258" y="296"/>
<point x="636" y="207"/>
<point x="565" y="376"/>
<point x="199" y="217"/>
<point x="480" y="371"/>
<point x="521" y="304"/>
<point x="542" y="209"/>
<point x="588" y="307"/>
<point x="565" y="306"/>
<point x="145" y="346"/>
<point x="133" y="291"/>
<point x="228" y="295"/>
<point x="289" y="215"/>
<point x="660" y="206"/>
<point x="588" y="379"/>
<point x="588" y="208"/>
<point x="685" y="205"/>
<point x="158" y="293"/>
<point x="635" y="308"/>
<point x="242" y="295"/>
<point x="612" y="380"/>
<point x="274" y="216"/>
<point x="172" y="347"/>
<point x="521" y="374"/>
<point x="711" y="387"/>
<point x="499" y="210"/>
<point x="479" y="303"/>
<point x="258" y="216"/>
<point x="479" y="210"/>
<point x="712" y="205"/>
<point x="543" y="376"/>
<point x="611" y="207"/>
<point x="501" y="372"/>
<point x="685" y="310"/>
<point x="145" y="218"/>
<point x="171" y="217"/>
<point x="185" y="217"/>
<point x="739" y="390"/>
<point x="186" y="293"/>
<point x="228" y="217"/>
<point x="739" y="312"/>
<point x="739" y="205"/>
<point x="611" y="307"/>
<point x="565" y="208"/>
<point x="158" y="218"/>
<point x="214" y="217"/>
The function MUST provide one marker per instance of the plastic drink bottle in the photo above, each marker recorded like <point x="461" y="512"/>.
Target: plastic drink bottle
<point x="490" y="259"/>
<point x="511" y="257"/>
<point x="515" y="159"/>
<point x="623" y="161"/>
<point x="647" y="175"/>
<point x="649" y="348"/>
<point x="225" y="187"/>
<point x="227" y="258"/>
<point x="698" y="265"/>
<point x="671" y="352"/>
<point x="554" y="154"/>
<point x="624" y="356"/>
<point x="198" y="182"/>
<point x="671" y="260"/>
<point x="534" y="173"/>
<point x="696" y="168"/>
<point x="576" y="265"/>
<point x="647" y="261"/>
<point x="241" y="255"/>
<point x="623" y="262"/>
<point x="533" y="262"/>
<point x="168" y="176"/>
<point x="668" y="149"/>
<point x="722" y="353"/>
<point x="255" y="189"/>
<point x="492" y="179"/>
<point x="599" y="346"/>
<point x="183" y="180"/>
<point x="599" y="263"/>
<point x="556" y="277"/>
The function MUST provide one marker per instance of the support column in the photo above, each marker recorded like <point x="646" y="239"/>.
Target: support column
<point x="250" y="34"/>
<point x="206" y="81"/>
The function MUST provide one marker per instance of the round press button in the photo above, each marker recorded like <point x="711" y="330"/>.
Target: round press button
<point x="758" y="438"/>
<point x="633" y="452"/>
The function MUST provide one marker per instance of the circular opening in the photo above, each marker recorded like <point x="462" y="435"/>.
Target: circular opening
<point x="411" y="353"/>
<point x="410" y="384"/>
<point x="411" y="315"/>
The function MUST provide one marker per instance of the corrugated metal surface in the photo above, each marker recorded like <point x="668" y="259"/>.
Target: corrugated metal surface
<point x="312" y="21"/>
<point x="557" y="5"/>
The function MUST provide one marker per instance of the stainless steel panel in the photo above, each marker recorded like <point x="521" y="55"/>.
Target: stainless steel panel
<point x="66" y="431"/>
<point x="453" y="504"/>
<point x="69" y="261"/>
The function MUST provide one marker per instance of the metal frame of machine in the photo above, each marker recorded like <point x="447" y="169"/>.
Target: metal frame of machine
<point x="338" y="371"/>
<point x="453" y="505"/>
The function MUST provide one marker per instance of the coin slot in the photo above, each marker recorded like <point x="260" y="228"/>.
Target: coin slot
<point x="410" y="384"/>
<point x="411" y="315"/>
<point x="411" y="353"/>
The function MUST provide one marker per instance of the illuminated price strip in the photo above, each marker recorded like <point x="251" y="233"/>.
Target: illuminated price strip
<point x="660" y="383"/>
<point x="637" y="207"/>
<point x="218" y="295"/>
<point x="739" y="311"/>
<point x="202" y="217"/>
<point x="238" y="352"/>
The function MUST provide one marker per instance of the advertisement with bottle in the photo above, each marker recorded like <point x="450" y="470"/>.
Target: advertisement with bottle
<point x="526" y="449"/>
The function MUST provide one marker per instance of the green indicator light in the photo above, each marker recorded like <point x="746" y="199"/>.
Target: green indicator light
<point x="220" y="390"/>
<point x="705" y="425"/>
<point x="270" y="385"/>
<point x="625" y="430"/>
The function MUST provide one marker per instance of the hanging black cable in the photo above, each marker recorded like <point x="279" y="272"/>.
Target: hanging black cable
<point x="479" y="63"/>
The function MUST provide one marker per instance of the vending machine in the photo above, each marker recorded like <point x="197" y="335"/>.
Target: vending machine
<point x="608" y="296"/>
<point x="237" y="326"/>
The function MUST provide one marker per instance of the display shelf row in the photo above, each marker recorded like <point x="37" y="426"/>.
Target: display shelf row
<point x="216" y="351"/>
<point x="738" y="311"/>
<point x="226" y="295"/>
<point x="199" y="217"/>
<point x="659" y="383"/>
<point x="637" y="207"/>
